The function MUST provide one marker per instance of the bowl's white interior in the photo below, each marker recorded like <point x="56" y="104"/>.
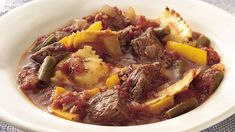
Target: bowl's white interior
<point x="20" y="27"/>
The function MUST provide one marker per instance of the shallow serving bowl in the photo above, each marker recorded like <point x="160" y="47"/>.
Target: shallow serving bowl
<point x="20" y="27"/>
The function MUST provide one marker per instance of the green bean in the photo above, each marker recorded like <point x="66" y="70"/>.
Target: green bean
<point x="182" y="108"/>
<point x="50" y="39"/>
<point x="47" y="68"/>
<point x="217" y="79"/>
<point x="202" y="41"/>
<point x="162" y="32"/>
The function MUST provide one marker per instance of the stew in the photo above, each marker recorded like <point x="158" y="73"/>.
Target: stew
<point x="115" y="67"/>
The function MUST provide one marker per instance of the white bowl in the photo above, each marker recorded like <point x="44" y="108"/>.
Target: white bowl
<point x="20" y="27"/>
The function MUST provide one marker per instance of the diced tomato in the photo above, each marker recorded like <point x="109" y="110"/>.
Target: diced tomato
<point x="145" y="23"/>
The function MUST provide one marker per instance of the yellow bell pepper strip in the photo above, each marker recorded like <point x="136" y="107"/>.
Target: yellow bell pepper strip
<point x="64" y="41"/>
<point x="95" y="26"/>
<point x="191" y="53"/>
<point x="156" y="106"/>
<point x="112" y="81"/>
<point x="75" y="37"/>
<point x="58" y="90"/>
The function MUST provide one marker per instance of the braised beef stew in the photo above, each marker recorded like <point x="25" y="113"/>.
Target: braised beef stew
<point x="115" y="67"/>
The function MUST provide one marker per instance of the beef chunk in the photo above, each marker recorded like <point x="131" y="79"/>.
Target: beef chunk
<point x="27" y="77"/>
<point x="208" y="81"/>
<point x="113" y="19"/>
<point x="168" y="58"/>
<point x="212" y="56"/>
<point x="138" y="83"/>
<point x="104" y="108"/>
<point x="70" y="28"/>
<point x="143" y="79"/>
<point x="104" y="18"/>
<point x="147" y="45"/>
<point x="119" y="21"/>
<point x="127" y="34"/>
<point x="57" y="50"/>
<point x="116" y="19"/>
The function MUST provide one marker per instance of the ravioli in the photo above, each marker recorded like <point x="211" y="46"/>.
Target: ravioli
<point x="180" y="30"/>
<point x="94" y="69"/>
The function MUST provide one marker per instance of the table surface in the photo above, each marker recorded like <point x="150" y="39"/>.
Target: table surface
<point x="228" y="125"/>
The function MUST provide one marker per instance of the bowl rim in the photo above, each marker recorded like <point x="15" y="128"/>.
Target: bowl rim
<point x="28" y="126"/>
